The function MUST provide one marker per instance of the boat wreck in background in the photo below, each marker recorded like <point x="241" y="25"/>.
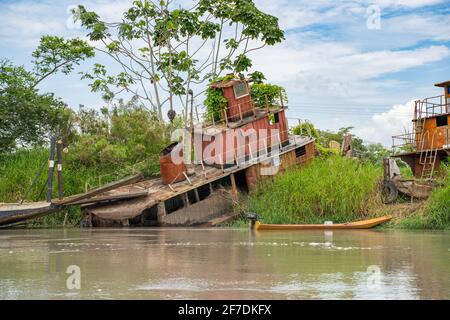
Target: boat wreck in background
<point x="428" y="144"/>
<point x="423" y="149"/>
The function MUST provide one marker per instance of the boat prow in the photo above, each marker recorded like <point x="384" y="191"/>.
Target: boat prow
<point x="363" y="224"/>
<point x="14" y="212"/>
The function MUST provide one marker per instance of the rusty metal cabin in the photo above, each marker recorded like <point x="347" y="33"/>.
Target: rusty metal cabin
<point x="240" y="116"/>
<point x="204" y="192"/>
<point x="428" y="144"/>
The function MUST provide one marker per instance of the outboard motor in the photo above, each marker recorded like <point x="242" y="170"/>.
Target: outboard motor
<point x="253" y="217"/>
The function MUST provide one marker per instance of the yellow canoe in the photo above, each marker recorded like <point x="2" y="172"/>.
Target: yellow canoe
<point x="364" y="224"/>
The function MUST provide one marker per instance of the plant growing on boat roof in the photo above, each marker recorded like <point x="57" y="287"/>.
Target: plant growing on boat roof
<point x="266" y="94"/>
<point x="158" y="46"/>
<point x="215" y="104"/>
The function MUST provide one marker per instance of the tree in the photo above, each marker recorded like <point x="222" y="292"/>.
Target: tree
<point x="27" y="116"/>
<point x="375" y="153"/>
<point x="125" y="137"/>
<point x="56" y="54"/>
<point x="164" y="50"/>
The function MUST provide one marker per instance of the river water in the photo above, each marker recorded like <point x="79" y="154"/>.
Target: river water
<point x="223" y="264"/>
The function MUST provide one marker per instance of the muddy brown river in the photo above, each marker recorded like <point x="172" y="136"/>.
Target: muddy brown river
<point x="223" y="264"/>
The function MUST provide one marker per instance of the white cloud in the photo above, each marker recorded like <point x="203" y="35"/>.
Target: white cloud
<point x="300" y="13"/>
<point x="384" y="125"/>
<point x="426" y="26"/>
<point x="335" y="68"/>
<point x="406" y="3"/>
<point x="22" y="23"/>
<point x="340" y="59"/>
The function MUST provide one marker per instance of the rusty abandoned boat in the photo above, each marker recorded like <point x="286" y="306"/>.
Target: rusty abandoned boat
<point x="201" y="192"/>
<point x="423" y="149"/>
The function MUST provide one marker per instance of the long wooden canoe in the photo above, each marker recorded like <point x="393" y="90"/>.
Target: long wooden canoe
<point x="364" y="224"/>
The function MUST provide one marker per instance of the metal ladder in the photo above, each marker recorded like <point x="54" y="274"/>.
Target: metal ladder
<point x="428" y="157"/>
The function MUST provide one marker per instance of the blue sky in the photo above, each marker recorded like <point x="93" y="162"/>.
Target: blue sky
<point x="336" y="70"/>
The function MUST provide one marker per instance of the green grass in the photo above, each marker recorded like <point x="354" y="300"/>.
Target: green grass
<point x="332" y="188"/>
<point x="18" y="171"/>
<point x="341" y="190"/>
<point x="436" y="213"/>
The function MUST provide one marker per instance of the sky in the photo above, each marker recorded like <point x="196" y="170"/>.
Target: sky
<point x="344" y="63"/>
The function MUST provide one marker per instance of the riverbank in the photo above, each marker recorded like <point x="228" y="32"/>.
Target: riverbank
<point x="330" y="188"/>
<point x="341" y="190"/>
<point x="19" y="170"/>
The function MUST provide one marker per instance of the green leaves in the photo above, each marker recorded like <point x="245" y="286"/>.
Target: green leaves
<point x="160" y="43"/>
<point x="257" y="77"/>
<point x="267" y="95"/>
<point x="58" y="54"/>
<point x="215" y="103"/>
<point x="242" y="63"/>
<point x="113" y="46"/>
<point x="120" y="138"/>
<point x="90" y="20"/>
<point x="26" y="117"/>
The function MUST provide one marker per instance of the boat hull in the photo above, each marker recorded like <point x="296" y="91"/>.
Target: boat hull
<point x="15" y="213"/>
<point x="364" y="224"/>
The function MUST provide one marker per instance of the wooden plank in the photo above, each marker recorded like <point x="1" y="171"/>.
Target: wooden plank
<point x="161" y="207"/>
<point x="234" y="190"/>
<point x="220" y="220"/>
<point x="99" y="190"/>
<point x="13" y="213"/>
<point x="112" y="197"/>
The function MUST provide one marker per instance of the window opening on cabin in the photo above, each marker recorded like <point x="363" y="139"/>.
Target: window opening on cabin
<point x="274" y="118"/>
<point x="300" y="152"/>
<point x="240" y="90"/>
<point x="441" y="121"/>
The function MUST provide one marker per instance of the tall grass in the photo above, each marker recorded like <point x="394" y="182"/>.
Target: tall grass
<point x="332" y="188"/>
<point x="19" y="169"/>
<point x="436" y="211"/>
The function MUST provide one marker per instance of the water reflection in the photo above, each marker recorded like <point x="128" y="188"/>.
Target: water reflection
<point x="224" y="263"/>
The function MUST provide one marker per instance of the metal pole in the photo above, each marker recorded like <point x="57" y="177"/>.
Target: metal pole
<point x="51" y="167"/>
<point x="60" y="178"/>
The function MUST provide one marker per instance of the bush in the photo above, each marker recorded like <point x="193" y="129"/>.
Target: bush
<point x="215" y="103"/>
<point x="120" y="141"/>
<point x="111" y="145"/>
<point x="264" y="94"/>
